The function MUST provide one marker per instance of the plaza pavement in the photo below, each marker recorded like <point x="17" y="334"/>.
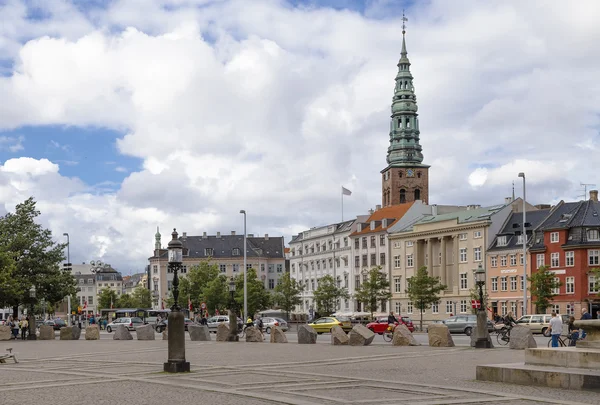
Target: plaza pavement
<point x="130" y="372"/>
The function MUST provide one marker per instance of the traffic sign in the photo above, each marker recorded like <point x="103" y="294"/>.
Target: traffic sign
<point x="475" y="304"/>
<point x="203" y="305"/>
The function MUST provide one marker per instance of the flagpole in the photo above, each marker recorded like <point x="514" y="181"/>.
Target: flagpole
<point x="342" y="203"/>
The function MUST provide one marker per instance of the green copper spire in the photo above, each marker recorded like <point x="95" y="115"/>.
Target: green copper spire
<point x="404" y="149"/>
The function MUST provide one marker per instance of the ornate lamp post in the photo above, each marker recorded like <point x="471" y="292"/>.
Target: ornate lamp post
<point x="32" y="335"/>
<point x="483" y="341"/>
<point x="233" y="330"/>
<point x="176" y="324"/>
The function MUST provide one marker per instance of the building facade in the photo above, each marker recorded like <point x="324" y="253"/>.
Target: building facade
<point x="263" y="254"/>
<point x="568" y="241"/>
<point x="321" y="251"/>
<point x="405" y="178"/>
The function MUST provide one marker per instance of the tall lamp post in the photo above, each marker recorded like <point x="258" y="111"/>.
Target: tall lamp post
<point x="483" y="339"/>
<point x="68" y="266"/>
<point x="233" y="332"/>
<point x="245" y="259"/>
<point x="176" y="324"/>
<point x="32" y="327"/>
<point x="524" y="238"/>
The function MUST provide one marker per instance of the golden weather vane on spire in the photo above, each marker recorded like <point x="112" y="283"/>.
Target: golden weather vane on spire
<point x="404" y="20"/>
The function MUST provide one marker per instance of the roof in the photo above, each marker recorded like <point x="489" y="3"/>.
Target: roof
<point x="339" y="227"/>
<point x="461" y="217"/>
<point x="224" y="245"/>
<point x="535" y="218"/>
<point x="393" y="212"/>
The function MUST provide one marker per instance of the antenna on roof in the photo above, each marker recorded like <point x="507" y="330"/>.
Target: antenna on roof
<point x="585" y="187"/>
<point x="513" y="197"/>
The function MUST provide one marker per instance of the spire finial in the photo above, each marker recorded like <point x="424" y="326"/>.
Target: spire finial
<point x="404" y="20"/>
<point x="513" y="196"/>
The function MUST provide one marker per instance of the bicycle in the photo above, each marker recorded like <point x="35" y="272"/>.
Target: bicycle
<point x="562" y="342"/>
<point x="388" y="335"/>
<point x="503" y="336"/>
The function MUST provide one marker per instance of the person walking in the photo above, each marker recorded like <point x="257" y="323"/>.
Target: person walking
<point x="555" y="328"/>
<point x="14" y="327"/>
<point x="573" y="332"/>
<point x="24" y="325"/>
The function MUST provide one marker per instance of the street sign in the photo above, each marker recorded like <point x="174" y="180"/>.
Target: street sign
<point x="203" y="305"/>
<point x="475" y="304"/>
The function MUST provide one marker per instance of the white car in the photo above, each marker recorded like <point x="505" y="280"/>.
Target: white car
<point x="129" y="323"/>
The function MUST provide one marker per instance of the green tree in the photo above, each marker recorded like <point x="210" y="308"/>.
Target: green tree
<point x="327" y="295"/>
<point x="197" y="279"/>
<point x="424" y="291"/>
<point x="216" y="294"/>
<point x="10" y="287"/>
<point x="258" y="297"/>
<point x="107" y="299"/>
<point x="373" y="291"/>
<point x="287" y="293"/>
<point x="142" y="297"/>
<point x="36" y="258"/>
<point x="542" y="283"/>
<point x="126" y="301"/>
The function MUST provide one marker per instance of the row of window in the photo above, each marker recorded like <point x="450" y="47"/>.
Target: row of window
<point x="592" y="235"/>
<point x="451" y="307"/>
<point x="504" y="260"/>
<point x="373" y="239"/>
<point x="313" y="284"/>
<point x="319" y="247"/>
<point x="82" y="299"/>
<point x="323" y="262"/>
<point x="569" y="261"/>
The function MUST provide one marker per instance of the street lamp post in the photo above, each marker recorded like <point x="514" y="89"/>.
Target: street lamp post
<point x="483" y="339"/>
<point x="245" y="260"/>
<point x="524" y="239"/>
<point x="176" y="324"/>
<point x="68" y="265"/>
<point x="233" y="332"/>
<point x="32" y="328"/>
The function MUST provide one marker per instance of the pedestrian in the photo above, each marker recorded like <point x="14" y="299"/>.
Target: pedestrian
<point x="555" y="328"/>
<point x="24" y="325"/>
<point x="203" y="320"/>
<point x="14" y="326"/>
<point x="585" y="315"/>
<point x="573" y="332"/>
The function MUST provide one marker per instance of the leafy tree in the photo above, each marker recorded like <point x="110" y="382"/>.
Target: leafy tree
<point x="287" y="293"/>
<point x="216" y="294"/>
<point x="126" y="301"/>
<point x="375" y="290"/>
<point x="424" y="291"/>
<point x="10" y="287"/>
<point x="196" y="281"/>
<point x="36" y="258"/>
<point x="596" y="273"/>
<point x="542" y="282"/>
<point x="107" y="299"/>
<point x="142" y="297"/>
<point x="258" y="297"/>
<point x="328" y="294"/>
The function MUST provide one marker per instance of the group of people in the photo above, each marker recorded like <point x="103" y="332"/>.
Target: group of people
<point x="18" y="326"/>
<point x="574" y="333"/>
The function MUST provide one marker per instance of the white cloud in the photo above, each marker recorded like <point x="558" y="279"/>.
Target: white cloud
<point x="12" y="143"/>
<point x="263" y="106"/>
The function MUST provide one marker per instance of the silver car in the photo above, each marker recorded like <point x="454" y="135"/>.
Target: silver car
<point x="129" y="323"/>
<point x="214" y="321"/>
<point x="465" y="324"/>
<point x="269" y="322"/>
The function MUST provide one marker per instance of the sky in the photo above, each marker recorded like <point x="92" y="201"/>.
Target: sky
<point x="119" y="116"/>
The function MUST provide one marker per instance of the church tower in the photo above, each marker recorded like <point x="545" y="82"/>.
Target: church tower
<point x="406" y="178"/>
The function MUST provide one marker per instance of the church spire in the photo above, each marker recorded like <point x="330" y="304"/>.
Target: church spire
<point x="157" y="240"/>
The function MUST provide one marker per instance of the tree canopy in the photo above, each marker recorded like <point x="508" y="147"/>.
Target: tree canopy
<point x="542" y="283"/>
<point x="287" y="293"/>
<point x="193" y="284"/>
<point x="423" y="290"/>
<point x="374" y="290"/>
<point x="29" y="257"/>
<point x="327" y="295"/>
<point x="107" y="299"/>
<point x="258" y="297"/>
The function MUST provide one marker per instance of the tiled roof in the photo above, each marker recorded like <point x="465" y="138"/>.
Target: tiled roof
<point x="339" y="227"/>
<point x="392" y="213"/>
<point x="223" y="246"/>
<point x="535" y="218"/>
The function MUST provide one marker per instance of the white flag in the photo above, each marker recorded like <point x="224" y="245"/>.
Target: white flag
<point x="345" y="191"/>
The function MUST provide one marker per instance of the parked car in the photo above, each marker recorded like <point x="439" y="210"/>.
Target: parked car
<point x="55" y="323"/>
<point x="269" y="322"/>
<point x="537" y="323"/>
<point x="431" y="323"/>
<point x="325" y="324"/>
<point x="164" y="324"/>
<point x="465" y="324"/>
<point x="129" y="323"/>
<point x="408" y="322"/>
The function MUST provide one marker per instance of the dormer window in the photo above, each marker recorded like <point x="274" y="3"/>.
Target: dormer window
<point x="372" y="225"/>
<point x="593" y="235"/>
<point x="208" y="251"/>
<point x="503" y="240"/>
<point x="236" y="251"/>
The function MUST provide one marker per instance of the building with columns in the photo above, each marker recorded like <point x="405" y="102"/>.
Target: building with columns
<point x="405" y="178"/>
<point x="451" y="246"/>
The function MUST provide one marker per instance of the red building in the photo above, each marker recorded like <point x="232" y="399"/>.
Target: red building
<point x="568" y="242"/>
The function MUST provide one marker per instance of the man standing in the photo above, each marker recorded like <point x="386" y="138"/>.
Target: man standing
<point x="585" y="315"/>
<point x="555" y="328"/>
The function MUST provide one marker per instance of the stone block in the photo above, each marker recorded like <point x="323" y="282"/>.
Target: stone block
<point x="306" y="335"/>
<point x="521" y="338"/>
<point x="360" y="335"/>
<point x="76" y="332"/>
<point x="474" y="339"/>
<point x="165" y="335"/>
<point x="338" y="336"/>
<point x="199" y="333"/>
<point x="92" y="332"/>
<point x="5" y="332"/>
<point x="66" y="333"/>
<point x="403" y="337"/>
<point x="222" y="332"/>
<point x="439" y="335"/>
<point x="145" y="332"/>
<point x="253" y="334"/>
<point x="277" y="335"/>
<point x="47" y="333"/>
<point x="122" y="333"/>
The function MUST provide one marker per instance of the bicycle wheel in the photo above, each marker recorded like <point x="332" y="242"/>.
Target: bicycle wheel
<point x="387" y="336"/>
<point x="502" y="338"/>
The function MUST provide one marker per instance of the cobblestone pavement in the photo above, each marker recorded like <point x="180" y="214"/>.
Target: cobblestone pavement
<point x="130" y="372"/>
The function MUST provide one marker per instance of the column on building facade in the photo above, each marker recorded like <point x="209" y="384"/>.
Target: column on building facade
<point x="419" y="260"/>
<point x="430" y="261"/>
<point x="443" y="268"/>
<point x="453" y="276"/>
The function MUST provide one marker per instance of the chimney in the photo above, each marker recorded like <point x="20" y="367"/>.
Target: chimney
<point x="507" y="200"/>
<point x="377" y="207"/>
<point x="266" y="236"/>
<point x="434" y="209"/>
<point x="204" y="235"/>
<point x="232" y="233"/>
<point x="218" y="235"/>
<point x="184" y="235"/>
<point x="371" y="211"/>
<point x="594" y="195"/>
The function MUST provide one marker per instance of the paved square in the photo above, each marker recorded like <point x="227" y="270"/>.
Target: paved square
<point x="116" y="372"/>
